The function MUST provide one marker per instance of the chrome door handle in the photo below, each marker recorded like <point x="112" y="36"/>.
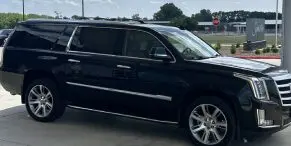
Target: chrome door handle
<point x="123" y="66"/>
<point x="74" y="61"/>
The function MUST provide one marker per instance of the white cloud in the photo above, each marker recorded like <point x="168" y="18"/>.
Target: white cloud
<point x="71" y="2"/>
<point x="156" y="2"/>
<point x="18" y="2"/>
<point x="105" y="2"/>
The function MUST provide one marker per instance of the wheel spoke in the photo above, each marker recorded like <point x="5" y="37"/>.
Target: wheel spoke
<point x="48" y="95"/>
<point x="205" y="136"/>
<point x="216" y="113"/>
<point x="35" y="93"/>
<point x="201" y="127"/>
<point x="197" y="117"/>
<point x="32" y="102"/>
<point x="216" y="135"/>
<point x="49" y="105"/>
<point x="44" y="111"/>
<point x="37" y="110"/>
<point x="41" y="89"/>
<point x="205" y="110"/>
<point x="221" y="125"/>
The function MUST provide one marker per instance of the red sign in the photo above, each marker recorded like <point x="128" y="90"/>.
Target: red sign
<point x="216" y="21"/>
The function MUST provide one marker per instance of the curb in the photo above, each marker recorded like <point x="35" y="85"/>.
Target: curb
<point x="259" y="57"/>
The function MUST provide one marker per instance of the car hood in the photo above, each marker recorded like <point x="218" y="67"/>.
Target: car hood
<point x="239" y="63"/>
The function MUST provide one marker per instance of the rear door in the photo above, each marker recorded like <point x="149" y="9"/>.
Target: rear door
<point x="92" y="65"/>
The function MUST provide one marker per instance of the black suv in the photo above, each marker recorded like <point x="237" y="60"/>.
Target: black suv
<point x="143" y="71"/>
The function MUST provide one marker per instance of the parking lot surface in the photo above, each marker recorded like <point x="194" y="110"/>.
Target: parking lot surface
<point x="82" y="128"/>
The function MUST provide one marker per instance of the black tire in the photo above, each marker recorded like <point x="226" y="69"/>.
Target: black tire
<point x="227" y="111"/>
<point x="58" y="107"/>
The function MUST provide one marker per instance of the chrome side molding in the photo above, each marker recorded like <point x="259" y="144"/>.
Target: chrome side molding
<point x="122" y="115"/>
<point x="160" y="97"/>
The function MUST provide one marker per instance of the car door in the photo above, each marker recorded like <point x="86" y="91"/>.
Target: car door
<point x="150" y="83"/>
<point x="92" y="65"/>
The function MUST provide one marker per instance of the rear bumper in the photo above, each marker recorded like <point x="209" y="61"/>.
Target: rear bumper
<point x="11" y="82"/>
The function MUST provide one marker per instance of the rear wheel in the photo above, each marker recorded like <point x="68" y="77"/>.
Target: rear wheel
<point x="42" y="101"/>
<point x="210" y="122"/>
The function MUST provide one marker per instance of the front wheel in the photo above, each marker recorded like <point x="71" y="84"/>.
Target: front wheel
<point x="42" y="101"/>
<point x="210" y="122"/>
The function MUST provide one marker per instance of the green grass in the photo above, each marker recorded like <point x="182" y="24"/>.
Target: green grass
<point x="223" y="39"/>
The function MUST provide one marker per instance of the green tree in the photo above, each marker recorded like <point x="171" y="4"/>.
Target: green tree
<point x="135" y="17"/>
<point x="168" y="12"/>
<point x="9" y="20"/>
<point x="204" y="15"/>
<point x="184" y="22"/>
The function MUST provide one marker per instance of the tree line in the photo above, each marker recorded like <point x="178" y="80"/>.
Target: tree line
<point x="167" y="12"/>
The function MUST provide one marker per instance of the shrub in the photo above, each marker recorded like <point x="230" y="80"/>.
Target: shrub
<point x="218" y="46"/>
<point x="258" y="52"/>
<point x="268" y="49"/>
<point x="275" y="50"/>
<point x="237" y="45"/>
<point x="265" y="51"/>
<point x="233" y="49"/>
<point x="273" y="46"/>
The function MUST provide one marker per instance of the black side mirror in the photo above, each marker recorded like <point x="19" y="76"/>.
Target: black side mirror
<point x="160" y="53"/>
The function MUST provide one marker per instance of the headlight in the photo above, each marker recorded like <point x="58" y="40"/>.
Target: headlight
<point x="258" y="86"/>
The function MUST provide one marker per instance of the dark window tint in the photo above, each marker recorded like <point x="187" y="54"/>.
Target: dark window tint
<point x="98" y="40"/>
<point x="64" y="38"/>
<point x="141" y="44"/>
<point x="36" y="36"/>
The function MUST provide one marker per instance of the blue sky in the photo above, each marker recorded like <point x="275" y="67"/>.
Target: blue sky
<point x="146" y="8"/>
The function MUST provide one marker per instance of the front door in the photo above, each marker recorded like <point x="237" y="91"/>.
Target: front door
<point x="150" y="84"/>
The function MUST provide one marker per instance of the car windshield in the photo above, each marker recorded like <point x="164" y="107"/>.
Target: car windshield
<point x="5" y="32"/>
<point x="190" y="46"/>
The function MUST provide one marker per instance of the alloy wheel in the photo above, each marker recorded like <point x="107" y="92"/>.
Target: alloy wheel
<point x="208" y="124"/>
<point x="40" y="100"/>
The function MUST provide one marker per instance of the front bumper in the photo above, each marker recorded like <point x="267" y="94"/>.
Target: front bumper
<point x="281" y="117"/>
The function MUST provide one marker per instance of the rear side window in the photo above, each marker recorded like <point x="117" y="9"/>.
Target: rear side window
<point x="64" y="38"/>
<point x="38" y="36"/>
<point x="98" y="40"/>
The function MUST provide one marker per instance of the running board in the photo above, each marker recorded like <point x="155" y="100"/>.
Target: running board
<point x="122" y="115"/>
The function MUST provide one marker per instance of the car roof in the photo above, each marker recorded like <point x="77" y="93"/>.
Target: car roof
<point x="98" y="22"/>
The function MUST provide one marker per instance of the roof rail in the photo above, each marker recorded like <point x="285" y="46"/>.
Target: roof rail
<point x="122" y="19"/>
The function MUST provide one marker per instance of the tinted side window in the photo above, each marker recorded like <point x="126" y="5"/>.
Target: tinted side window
<point x="98" y="40"/>
<point x="141" y="44"/>
<point x="64" y="38"/>
<point x="36" y="36"/>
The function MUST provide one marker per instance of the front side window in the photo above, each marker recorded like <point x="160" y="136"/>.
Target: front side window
<point x="98" y="40"/>
<point x="142" y="45"/>
<point x="190" y="46"/>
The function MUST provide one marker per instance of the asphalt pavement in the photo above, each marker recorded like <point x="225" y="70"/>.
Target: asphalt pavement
<point x="82" y="128"/>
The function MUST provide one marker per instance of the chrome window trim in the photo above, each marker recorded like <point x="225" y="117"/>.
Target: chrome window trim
<point x="68" y="50"/>
<point x="269" y="127"/>
<point x="71" y="39"/>
<point x="122" y="115"/>
<point x="160" y="97"/>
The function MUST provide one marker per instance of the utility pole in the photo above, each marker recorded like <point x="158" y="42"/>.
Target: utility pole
<point x="83" y="11"/>
<point x="286" y="55"/>
<point x="23" y="10"/>
<point x="277" y="5"/>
